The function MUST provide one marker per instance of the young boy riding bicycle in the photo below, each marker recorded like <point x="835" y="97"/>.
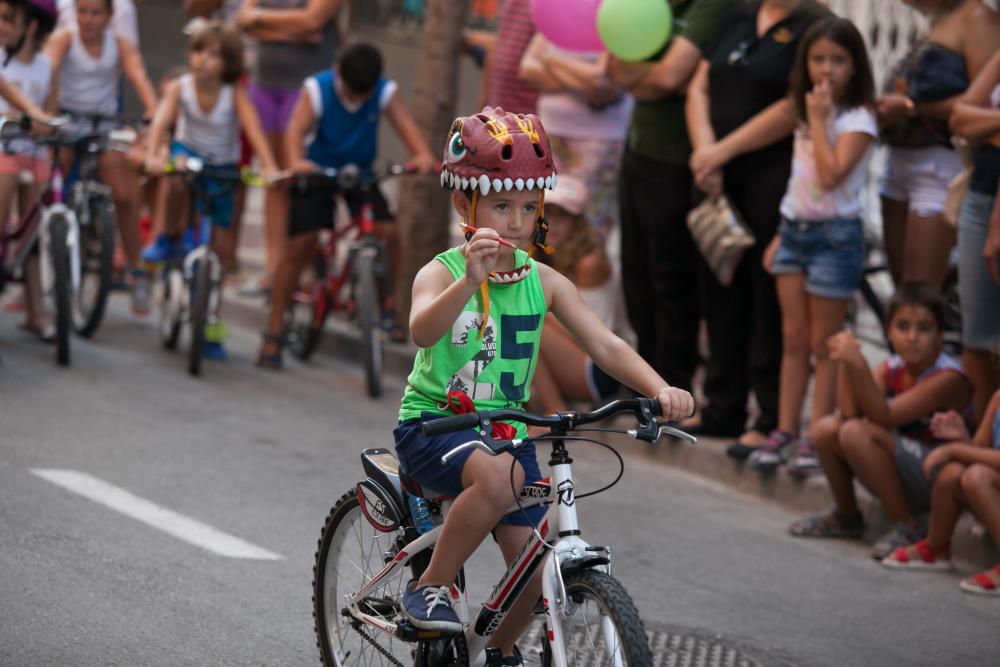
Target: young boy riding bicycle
<point x="477" y="314"/>
<point x="342" y="106"/>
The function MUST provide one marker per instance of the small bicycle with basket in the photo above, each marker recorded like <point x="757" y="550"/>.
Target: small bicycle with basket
<point x="369" y="548"/>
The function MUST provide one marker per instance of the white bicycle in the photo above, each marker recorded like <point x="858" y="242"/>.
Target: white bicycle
<point x="369" y="549"/>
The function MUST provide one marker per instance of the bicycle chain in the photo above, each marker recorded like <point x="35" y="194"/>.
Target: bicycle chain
<point x="378" y="647"/>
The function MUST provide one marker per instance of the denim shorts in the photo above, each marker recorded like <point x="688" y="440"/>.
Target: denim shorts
<point x="420" y="456"/>
<point x="979" y="295"/>
<point x="910" y="455"/>
<point x="829" y="252"/>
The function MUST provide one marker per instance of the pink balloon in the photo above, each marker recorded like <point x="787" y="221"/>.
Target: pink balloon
<point x="569" y="24"/>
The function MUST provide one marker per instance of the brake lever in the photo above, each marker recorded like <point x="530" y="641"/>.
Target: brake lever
<point x="653" y="431"/>
<point x="677" y="433"/>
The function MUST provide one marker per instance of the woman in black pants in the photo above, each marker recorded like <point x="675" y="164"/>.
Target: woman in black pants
<point x="740" y="121"/>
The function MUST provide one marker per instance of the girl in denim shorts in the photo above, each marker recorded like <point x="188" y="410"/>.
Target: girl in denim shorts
<point x="816" y="255"/>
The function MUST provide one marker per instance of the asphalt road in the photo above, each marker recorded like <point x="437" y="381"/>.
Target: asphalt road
<point x="261" y="457"/>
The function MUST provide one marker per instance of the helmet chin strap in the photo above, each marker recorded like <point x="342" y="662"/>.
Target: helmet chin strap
<point x="542" y="229"/>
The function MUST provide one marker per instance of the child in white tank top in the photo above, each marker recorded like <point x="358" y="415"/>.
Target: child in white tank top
<point x="90" y="59"/>
<point x="31" y="74"/>
<point x="207" y="107"/>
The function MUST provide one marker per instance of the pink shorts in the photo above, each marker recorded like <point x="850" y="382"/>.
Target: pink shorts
<point x="14" y="165"/>
<point x="274" y="106"/>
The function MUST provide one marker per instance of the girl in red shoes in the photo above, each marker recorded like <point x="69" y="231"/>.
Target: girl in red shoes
<point x="966" y="473"/>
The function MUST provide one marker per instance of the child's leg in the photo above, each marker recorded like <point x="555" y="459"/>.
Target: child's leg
<point x="795" y="351"/>
<point x="117" y="173"/>
<point x="871" y="453"/>
<point x="36" y="318"/>
<point x="981" y="486"/>
<point x="486" y="496"/>
<point x="894" y="214"/>
<point x="826" y="317"/>
<point x="511" y="539"/>
<point x="929" y="240"/>
<point x="171" y="214"/>
<point x="297" y="251"/>
<point x="825" y="433"/>
<point x="947" y="500"/>
<point x="275" y="216"/>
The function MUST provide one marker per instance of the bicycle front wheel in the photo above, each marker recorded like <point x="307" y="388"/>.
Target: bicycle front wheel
<point x="367" y="301"/>
<point x="202" y="286"/>
<point x="96" y="248"/>
<point x="61" y="284"/>
<point x="350" y="553"/>
<point x="603" y="626"/>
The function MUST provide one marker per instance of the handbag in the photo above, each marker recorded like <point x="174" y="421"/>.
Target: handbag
<point x="721" y="236"/>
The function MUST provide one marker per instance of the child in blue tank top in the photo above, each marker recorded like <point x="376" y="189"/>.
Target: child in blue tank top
<point x="477" y="313"/>
<point x="341" y="107"/>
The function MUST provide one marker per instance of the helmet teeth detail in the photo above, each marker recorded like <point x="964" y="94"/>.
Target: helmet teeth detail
<point x="555" y="180"/>
<point x="484" y="185"/>
<point x="519" y="184"/>
<point x="497" y="184"/>
<point x="508" y="184"/>
<point x="465" y="183"/>
<point x="540" y="182"/>
<point x="474" y="183"/>
<point x="529" y="183"/>
<point x="548" y="182"/>
<point x="444" y="177"/>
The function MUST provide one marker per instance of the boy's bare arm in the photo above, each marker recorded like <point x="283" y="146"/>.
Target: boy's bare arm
<point x="438" y="299"/>
<point x="402" y="121"/>
<point x="165" y="117"/>
<point x="135" y="71"/>
<point x="299" y="125"/>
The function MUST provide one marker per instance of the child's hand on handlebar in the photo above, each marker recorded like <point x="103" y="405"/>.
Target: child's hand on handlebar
<point x="303" y="166"/>
<point x="675" y="403"/>
<point x="424" y="163"/>
<point x="154" y="165"/>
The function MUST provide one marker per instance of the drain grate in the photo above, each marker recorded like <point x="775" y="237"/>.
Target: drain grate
<point x="670" y="648"/>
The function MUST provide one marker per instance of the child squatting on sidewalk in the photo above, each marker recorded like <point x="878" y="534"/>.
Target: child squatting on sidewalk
<point x="486" y="300"/>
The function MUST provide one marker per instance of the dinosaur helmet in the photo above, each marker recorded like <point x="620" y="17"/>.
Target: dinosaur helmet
<point x="496" y="150"/>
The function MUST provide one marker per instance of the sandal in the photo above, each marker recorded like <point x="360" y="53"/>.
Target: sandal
<point x="829" y="524"/>
<point x="920" y="555"/>
<point x="270" y="361"/>
<point x="982" y="583"/>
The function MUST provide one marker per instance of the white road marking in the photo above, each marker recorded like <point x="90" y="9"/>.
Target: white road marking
<point x="182" y="527"/>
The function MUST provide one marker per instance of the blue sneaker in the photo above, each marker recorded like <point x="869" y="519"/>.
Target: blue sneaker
<point x="213" y="350"/>
<point x="162" y="249"/>
<point x="429" y="608"/>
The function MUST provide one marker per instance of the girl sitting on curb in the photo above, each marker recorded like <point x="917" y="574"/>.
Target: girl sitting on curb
<point x="882" y="433"/>
<point x="966" y="473"/>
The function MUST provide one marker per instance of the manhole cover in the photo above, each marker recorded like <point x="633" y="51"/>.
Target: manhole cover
<point x="670" y="648"/>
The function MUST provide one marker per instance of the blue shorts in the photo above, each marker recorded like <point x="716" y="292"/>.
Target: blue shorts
<point x="420" y="456"/>
<point x="829" y="252"/>
<point x="222" y="203"/>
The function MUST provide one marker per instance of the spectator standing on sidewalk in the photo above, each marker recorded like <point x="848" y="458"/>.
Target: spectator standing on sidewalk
<point x="295" y="39"/>
<point x="966" y="473"/>
<point x="882" y="434"/>
<point x="976" y="117"/>
<point x="502" y="85"/>
<point x="658" y="256"/>
<point x="921" y="161"/>
<point x="741" y="121"/>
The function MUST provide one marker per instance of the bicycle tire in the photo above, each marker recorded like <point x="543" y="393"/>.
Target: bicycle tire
<point x="611" y="601"/>
<point x="304" y="332"/>
<point x="349" y="553"/>
<point x="97" y="249"/>
<point x="201" y="286"/>
<point x="171" y="306"/>
<point x="367" y="301"/>
<point x="61" y="287"/>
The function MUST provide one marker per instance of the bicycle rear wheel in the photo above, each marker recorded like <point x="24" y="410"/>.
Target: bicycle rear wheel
<point x="202" y="286"/>
<point x="369" y="314"/>
<point x="350" y="553"/>
<point x="96" y="248"/>
<point x="61" y="284"/>
<point x="602" y="622"/>
<point x="307" y="314"/>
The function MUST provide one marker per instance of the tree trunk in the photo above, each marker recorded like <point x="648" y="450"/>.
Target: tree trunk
<point x="424" y="208"/>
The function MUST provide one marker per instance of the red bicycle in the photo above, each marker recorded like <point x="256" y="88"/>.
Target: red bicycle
<point x="354" y="278"/>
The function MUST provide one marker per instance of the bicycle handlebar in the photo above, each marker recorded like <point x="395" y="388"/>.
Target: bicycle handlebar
<point x="347" y="177"/>
<point x="645" y="410"/>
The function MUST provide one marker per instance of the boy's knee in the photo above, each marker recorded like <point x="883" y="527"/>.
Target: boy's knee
<point x="853" y="433"/>
<point x="977" y="477"/>
<point x="795" y="339"/>
<point x="823" y="432"/>
<point x="950" y="476"/>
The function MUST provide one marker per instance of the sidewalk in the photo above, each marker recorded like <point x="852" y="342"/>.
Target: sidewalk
<point x="707" y="459"/>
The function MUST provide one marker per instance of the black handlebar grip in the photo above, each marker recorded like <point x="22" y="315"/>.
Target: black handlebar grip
<point x="450" y="424"/>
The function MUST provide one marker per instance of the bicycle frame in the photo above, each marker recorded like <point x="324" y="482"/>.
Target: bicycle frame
<point x="570" y="551"/>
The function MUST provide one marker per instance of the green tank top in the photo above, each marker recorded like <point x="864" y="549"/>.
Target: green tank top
<point x="494" y="369"/>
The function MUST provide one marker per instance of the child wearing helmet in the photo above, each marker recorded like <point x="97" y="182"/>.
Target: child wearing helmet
<point x="477" y="314"/>
<point x="24" y="26"/>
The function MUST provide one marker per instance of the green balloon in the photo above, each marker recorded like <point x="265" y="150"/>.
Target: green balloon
<point x="634" y="30"/>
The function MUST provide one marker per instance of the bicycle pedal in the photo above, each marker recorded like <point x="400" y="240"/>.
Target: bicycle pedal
<point x="411" y="633"/>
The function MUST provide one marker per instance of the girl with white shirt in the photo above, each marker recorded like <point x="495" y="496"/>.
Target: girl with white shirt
<point x="817" y="254"/>
<point x="24" y="26"/>
<point x="207" y="107"/>
<point x="90" y="59"/>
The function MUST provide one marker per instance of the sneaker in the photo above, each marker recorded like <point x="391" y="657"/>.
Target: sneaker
<point x="804" y="461"/>
<point x="161" y="250"/>
<point x="920" y="556"/>
<point x="216" y="331"/>
<point x="496" y="659"/>
<point x="768" y="456"/>
<point x="141" y="292"/>
<point x="213" y="350"/>
<point x="429" y="608"/>
<point x="899" y="536"/>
